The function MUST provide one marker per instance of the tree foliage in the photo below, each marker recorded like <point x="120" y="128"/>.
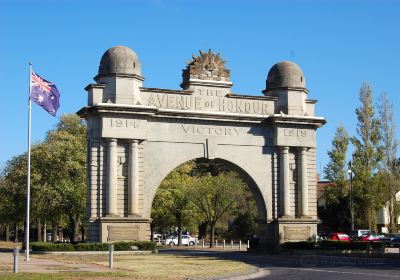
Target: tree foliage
<point x="172" y="204"/>
<point x="336" y="212"/>
<point x="216" y="196"/>
<point x="205" y="193"/>
<point x="389" y="168"/>
<point x="366" y="160"/>
<point x="58" y="178"/>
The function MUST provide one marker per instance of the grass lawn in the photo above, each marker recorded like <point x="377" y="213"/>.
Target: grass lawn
<point x="65" y="276"/>
<point x="154" y="266"/>
<point x="9" y="245"/>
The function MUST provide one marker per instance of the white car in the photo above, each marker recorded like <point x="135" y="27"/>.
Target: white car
<point x="172" y="240"/>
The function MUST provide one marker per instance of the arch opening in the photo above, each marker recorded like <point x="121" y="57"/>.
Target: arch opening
<point x="176" y="209"/>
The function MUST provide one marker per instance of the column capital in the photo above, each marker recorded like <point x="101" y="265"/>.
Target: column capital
<point x="284" y="149"/>
<point x="133" y="141"/>
<point x="111" y="141"/>
<point x="303" y="149"/>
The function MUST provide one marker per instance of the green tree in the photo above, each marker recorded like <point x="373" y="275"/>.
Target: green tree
<point x="388" y="171"/>
<point x="335" y="213"/>
<point x="64" y="172"/>
<point x="366" y="159"/>
<point x="216" y="196"/>
<point x="172" y="204"/>
<point x="58" y="179"/>
<point x="12" y="193"/>
<point x="335" y="171"/>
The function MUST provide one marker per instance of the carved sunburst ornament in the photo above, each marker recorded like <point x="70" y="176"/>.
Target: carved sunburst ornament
<point x="206" y="66"/>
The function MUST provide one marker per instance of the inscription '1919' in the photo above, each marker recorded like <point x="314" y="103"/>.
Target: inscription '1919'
<point x="295" y="132"/>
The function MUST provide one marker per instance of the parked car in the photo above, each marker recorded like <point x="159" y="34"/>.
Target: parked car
<point x="385" y="238"/>
<point x="356" y="234"/>
<point x="395" y="242"/>
<point x="369" y="237"/>
<point x="172" y="240"/>
<point x="157" y="235"/>
<point x="321" y="236"/>
<point x="339" y="236"/>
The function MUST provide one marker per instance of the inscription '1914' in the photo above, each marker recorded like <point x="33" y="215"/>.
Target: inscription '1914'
<point x="123" y="123"/>
<point x="295" y="132"/>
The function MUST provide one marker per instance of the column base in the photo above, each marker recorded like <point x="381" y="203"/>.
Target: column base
<point x="287" y="217"/>
<point x="113" y="216"/>
<point x="134" y="216"/>
<point x="306" y="218"/>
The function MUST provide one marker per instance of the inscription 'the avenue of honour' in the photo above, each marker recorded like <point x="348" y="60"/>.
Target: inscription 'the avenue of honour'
<point x="209" y="103"/>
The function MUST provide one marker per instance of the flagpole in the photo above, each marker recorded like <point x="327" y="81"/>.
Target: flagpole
<point x="28" y="177"/>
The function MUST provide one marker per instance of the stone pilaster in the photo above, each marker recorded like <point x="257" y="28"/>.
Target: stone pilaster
<point x="92" y="196"/>
<point x="133" y="178"/>
<point x="303" y="182"/>
<point x="111" y="209"/>
<point x="285" y="184"/>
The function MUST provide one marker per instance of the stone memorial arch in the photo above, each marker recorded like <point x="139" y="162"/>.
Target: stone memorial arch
<point x="136" y="135"/>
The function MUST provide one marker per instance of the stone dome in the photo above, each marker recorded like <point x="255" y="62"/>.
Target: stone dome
<point x="120" y="60"/>
<point x="285" y="74"/>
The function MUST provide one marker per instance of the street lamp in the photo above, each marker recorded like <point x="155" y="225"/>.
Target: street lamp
<point x="351" y="196"/>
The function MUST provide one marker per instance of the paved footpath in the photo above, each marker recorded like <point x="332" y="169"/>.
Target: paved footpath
<point x="45" y="265"/>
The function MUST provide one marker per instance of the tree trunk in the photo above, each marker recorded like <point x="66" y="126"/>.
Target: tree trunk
<point x="83" y="233"/>
<point x="152" y="232"/>
<point x="76" y="223"/>
<point x="212" y="228"/>
<point x="39" y="231"/>
<point x="392" y="216"/>
<point x="180" y="233"/>
<point x="16" y="232"/>
<point x="7" y="232"/>
<point x="54" y="233"/>
<point x="45" y="231"/>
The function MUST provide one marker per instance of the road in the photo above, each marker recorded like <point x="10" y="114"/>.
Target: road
<point x="310" y="267"/>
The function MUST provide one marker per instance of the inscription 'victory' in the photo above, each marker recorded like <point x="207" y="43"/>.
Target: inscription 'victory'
<point x="210" y="130"/>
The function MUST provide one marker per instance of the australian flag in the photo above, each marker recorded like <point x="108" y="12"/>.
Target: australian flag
<point x="45" y="94"/>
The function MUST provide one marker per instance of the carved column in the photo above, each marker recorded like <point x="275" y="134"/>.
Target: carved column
<point x="303" y="182"/>
<point x="91" y="169"/>
<point x="285" y="184"/>
<point x="133" y="178"/>
<point x="112" y="159"/>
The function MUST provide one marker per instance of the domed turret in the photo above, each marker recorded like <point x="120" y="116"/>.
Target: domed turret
<point x="120" y="60"/>
<point x="285" y="74"/>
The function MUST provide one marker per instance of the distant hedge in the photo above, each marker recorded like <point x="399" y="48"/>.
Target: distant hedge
<point x="95" y="246"/>
<point x="300" y="245"/>
<point x="332" y="245"/>
<point x="52" y="247"/>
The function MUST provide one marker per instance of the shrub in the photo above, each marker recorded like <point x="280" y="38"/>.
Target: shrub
<point x="345" y="245"/>
<point x="51" y="247"/>
<point x="334" y="244"/>
<point x="91" y="246"/>
<point x="144" y="245"/>
<point x="299" y="245"/>
<point x="122" y="246"/>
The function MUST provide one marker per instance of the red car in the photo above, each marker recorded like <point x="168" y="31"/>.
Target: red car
<point x="340" y="236"/>
<point x="369" y="237"/>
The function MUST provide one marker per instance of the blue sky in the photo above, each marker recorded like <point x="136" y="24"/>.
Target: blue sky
<point x="338" y="44"/>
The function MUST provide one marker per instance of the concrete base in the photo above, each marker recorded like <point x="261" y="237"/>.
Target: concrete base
<point x="296" y="229"/>
<point x="286" y="229"/>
